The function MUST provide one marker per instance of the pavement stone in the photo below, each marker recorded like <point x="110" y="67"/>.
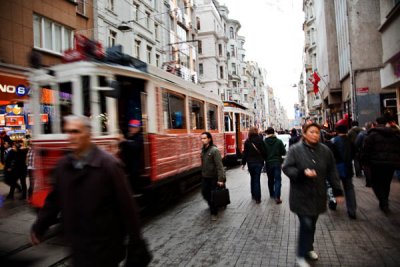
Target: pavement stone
<point x="250" y="234"/>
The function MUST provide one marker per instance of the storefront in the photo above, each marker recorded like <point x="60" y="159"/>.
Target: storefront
<point x="14" y="106"/>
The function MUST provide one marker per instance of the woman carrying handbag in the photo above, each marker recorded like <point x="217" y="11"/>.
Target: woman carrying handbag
<point x="254" y="155"/>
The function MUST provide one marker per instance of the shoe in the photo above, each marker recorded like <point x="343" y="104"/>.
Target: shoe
<point x="352" y="215"/>
<point x="332" y="205"/>
<point x="278" y="201"/>
<point x="214" y="217"/>
<point x="312" y="255"/>
<point x="301" y="262"/>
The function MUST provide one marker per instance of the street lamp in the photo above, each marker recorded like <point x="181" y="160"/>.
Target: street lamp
<point x="124" y="26"/>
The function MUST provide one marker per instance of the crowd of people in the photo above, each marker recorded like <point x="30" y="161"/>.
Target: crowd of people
<point x="103" y="225"/>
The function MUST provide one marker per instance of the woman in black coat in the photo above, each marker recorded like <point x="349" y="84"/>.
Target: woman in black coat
<point x="254" y="155"/>
<point x="308" y="164"/>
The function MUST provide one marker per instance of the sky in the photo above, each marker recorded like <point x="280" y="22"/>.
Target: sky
<point x="274" y="39"/>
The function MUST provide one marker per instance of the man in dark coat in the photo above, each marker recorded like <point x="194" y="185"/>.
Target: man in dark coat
<point x="132" y="155"/>
<point x="275" y="151"/>
<point x="98" y="211"/>
<point x="381" y="152"/>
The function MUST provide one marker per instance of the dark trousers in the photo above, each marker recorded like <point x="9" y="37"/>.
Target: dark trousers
<point x="274" y="179"/>
<point x="31" y="182"/>
<point x="12" y="179"/>
<point x="350" y="194"/>
<point x="209" y="184"/>
<point x="255" y="169"/>
<point x="357" y="166"/>
<point x="306" y="234"/>
<point x="381" y="178"/>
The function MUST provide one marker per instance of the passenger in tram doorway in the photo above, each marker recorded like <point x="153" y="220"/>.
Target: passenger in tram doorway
<point x="254" y="155"/>
<point x="212" y="171"/>
<point x="308" y="164"/>
<point x="131" y="153"/>
<point x="98" y="212"/>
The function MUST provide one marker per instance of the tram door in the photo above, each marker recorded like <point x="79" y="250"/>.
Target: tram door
<point x="129" y="101"/>
<point x="238" y="136"/>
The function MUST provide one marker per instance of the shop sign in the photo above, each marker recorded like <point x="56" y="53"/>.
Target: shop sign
<point x="362" y="91"/>
<point x="44" y="118"/>
<point x="14" y="120"/>
<point x="2" y="120"/>
<point x="21" y="90"/>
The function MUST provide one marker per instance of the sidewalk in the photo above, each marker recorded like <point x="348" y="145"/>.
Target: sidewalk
<point x="247" y="234"/>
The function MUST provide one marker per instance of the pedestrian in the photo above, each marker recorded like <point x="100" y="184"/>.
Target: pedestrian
<point x="359" y="146"/>
<point x="308" y="164"/>
<point x="97" y="209"/>
<point x="294" y="137"/>
<point x="21" y="168"/>
<point x="343" y="157"/>
<point x="254" y="155"/>
<point x="352" y="134"/>
<point x="131" y="153"/>
<point x="212" y="171"/>
<point x="381" y="152"/>
<point x="275" y="151"/>
<point x="4" y="138"/>
<point x="10" y="170"/>
<point x="30" y="164"/>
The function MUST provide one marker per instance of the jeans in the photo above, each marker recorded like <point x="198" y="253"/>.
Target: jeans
<point x="274" y="179"/>
<point x="209" y="184"/>
<point x="255" y="169"/>
<point x="349" y="194"/>
<point x="306" y="234"/>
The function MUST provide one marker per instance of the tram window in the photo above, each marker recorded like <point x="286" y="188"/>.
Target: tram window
<point x="86" y="95"/>
<point x="228" y="123"/>
<point x="103" y="112"/>
<point x="212" y="117"/>
<point x="48" y="109"/>
<point x="174" y="111"/>
<point x="196" y="115"/>
<point x="65" y="100"/>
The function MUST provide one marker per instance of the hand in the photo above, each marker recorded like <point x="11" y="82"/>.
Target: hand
<point x="34" y="239"/>
<point x="311" y="173"/>
<point x="220" y="183"/>
<point x="339" y="200"/>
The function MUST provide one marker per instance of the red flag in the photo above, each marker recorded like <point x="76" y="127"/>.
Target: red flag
<point x="315" y="82"/>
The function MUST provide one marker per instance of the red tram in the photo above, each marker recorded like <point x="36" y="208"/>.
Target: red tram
<point x="173" y="113"/>
<point x="237" y="121"/>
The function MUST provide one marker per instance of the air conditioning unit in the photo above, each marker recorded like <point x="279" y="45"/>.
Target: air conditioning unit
<point x="389" y="103"/>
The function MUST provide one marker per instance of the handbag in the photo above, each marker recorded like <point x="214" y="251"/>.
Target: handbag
<point x="220" y="197"/>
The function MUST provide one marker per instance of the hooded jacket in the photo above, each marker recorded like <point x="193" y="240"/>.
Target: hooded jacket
<point x="275" y="149"/>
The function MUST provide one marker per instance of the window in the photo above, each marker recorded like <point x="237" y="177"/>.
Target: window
<point x="112" y="38"/>
<point x="232" y="50"/>
<point x="212" y="116"/>
<point x="135" y="12"/>
<point x="156" y="35"/>
<point x="80" y="7"/>
<point x="200" y="47"/>
<point x="198" y="23"/>
<point x="221" y="72"/>
<point x="48" y="110"/>
<point x="110" y="5"/>
<point x="148" y="20"/>
<point x="233" y="68"/>
<point x="228" y="122"/>
<point x="196" y="115"/>
<point x="50" y="35"/>
<point x="137" y="49"/>
<point x="158" y="60"/>
<point x="220" y="50"/>
<point x="174" y="111"/>
<point x="231" y="33"/>
<point x="201" y="69"/>
<point x="148" y="50"/>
